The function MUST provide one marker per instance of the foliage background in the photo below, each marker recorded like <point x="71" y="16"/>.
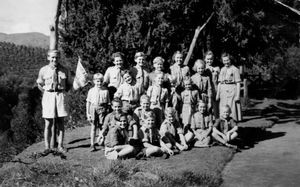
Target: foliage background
<point x="260" y="34"/>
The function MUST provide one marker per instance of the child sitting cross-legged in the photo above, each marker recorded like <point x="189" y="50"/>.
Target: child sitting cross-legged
<point x="172" y="132"/>
<point x="151" y="139"/>
<point x="201" y="125"/>
<point x="117" y="140"/>
<point x="225" y="128"/>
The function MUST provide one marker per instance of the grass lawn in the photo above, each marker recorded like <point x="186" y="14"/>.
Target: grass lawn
<point x="196" y="167"/>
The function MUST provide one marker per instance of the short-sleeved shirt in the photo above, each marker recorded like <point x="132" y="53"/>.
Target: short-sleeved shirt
<point x="113" y="76"/>
<point x="151" y="136"/>
<point x="116" y="136"/>
<point x="225" y="125"/>
<point x="97" y="96"/>
<point x="128" y="92"/>
<point x="203" y="84"/>
<point x="172" y="128"/>
<point x="46" y="78"/>
<point x="110" y="120"/>
<point x="229" y="75"/>
<point x="200" y="121"/>
<point x="157" y="94"/>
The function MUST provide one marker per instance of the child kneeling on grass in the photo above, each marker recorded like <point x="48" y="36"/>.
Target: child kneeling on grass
<point x="151" y="140"/>
<point x="117" y="140"/>
<point x="225" y="128"/>
<point x="172" y="132"/>
<point x="201" y="125"/>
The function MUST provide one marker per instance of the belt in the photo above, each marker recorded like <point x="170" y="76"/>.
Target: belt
<point x="130" y="102"/>
<point x="54" y="90"/>
<point x="228" y="83"/>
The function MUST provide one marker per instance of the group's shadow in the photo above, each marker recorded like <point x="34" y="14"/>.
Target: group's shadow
<point x="79" y="143"/>
<point x="280" y="113"/>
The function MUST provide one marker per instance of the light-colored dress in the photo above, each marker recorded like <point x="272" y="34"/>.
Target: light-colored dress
<point x="228" y="79"/>
<point x="190" y="98"/>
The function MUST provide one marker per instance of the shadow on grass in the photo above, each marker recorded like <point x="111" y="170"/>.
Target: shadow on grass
<point x="280" y="113"/>
<point x="78" y="140"/>
<point x="79" y="146"/>
<point x="249" y="137"/>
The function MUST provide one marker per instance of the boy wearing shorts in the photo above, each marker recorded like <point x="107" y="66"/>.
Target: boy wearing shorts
<point x="54" y="80"/>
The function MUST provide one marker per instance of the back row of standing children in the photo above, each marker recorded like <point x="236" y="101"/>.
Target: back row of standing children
<point x="159" y="113"/>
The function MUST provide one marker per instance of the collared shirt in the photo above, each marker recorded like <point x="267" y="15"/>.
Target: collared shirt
<point x="180" y="73"/>
<point x="229" y="75"/>
<point x="141" y="76"/>
<point x="46" y="78"/>
<point x="157" y="94"/>
<point x="225" y="125"/>
<point x="97" y="96"/>
<point x="151" y="136"/>
<point x="200" y="121"/>
<point x="128" y="92"/>
<point x="139" y="115"/>
<point x="113" y="76"/>
<point x="190" y="97"/>
<point x="110" y="121"/>
<point x="172" y="128"/>
<point x="203" y="84"/>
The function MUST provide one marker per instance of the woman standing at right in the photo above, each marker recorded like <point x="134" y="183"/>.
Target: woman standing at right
<point x="229" y="87"/>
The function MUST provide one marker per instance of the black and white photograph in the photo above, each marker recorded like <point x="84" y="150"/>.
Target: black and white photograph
<point x="150" y="93"/>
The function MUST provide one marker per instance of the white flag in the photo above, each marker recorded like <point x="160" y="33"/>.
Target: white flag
<point x="80" y="79"/>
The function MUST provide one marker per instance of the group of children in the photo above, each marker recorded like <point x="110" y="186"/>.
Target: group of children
<point x="159" y="113"/>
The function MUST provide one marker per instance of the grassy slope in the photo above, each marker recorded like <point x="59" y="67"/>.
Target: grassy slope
<point x="195" y="167"/>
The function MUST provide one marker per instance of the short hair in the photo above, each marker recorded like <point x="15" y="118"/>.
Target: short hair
<point x="144" y="97"/>
<point x="225" y="54"/>
<point x="149" y="114"/>
<point x="187" y="80"/>
<point x="171" y="111"/>
<point x="158" y="59"/>
<point x="55" y="51"/>
<point x="176" y="52"/>
<point x="116" y="100"/>
<point x="209" y="52"/>
<point x="226" y="107"/>
<point x="198" y="62"/>
<point x="139" y="54"/>
<point x="126" y="72"/>
<point x="98" y="76"/>
<point x="117" y="54"/>
<point x="202" y="103"/>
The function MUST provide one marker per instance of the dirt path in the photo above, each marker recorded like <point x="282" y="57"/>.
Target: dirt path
<point x="272" y="162"/>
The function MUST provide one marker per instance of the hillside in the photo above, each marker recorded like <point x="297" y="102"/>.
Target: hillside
<point x="33" y="39"/>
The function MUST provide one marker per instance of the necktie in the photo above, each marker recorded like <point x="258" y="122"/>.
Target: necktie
<point x="180" y="76"/>
<point x="55" y="80"/>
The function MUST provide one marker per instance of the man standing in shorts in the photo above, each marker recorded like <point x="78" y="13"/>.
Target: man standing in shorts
<point x="54" y="80"/>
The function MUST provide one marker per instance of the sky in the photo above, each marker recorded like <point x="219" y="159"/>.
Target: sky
<point x="20" y="16"/>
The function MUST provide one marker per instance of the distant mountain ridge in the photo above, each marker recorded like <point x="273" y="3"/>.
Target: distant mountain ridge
<point x="32" y="39"/>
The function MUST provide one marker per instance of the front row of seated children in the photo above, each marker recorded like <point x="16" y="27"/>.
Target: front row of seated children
<point x="139" y="135"/>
